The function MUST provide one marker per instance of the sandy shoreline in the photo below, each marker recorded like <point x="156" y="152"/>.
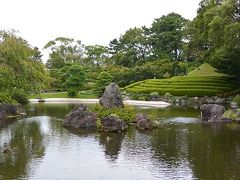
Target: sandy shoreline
<point x="159" y="104"/>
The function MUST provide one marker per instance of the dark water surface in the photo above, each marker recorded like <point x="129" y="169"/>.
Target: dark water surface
<point x="182" y="148"/>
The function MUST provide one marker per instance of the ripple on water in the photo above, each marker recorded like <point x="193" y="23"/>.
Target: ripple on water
<point x="183" y="120"/>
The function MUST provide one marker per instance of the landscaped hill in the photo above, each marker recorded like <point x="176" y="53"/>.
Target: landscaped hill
<point x="205" y="70"/>
<point x="204" y="81"/>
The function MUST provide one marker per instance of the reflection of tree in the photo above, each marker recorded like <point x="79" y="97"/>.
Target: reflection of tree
<point x="214" y="152"/>
<point x="169" y="144"/>
<point x="112" y="142"/>
<point x="172" y="112"/>
<point x="26" y="143"/>
<point x="52" y="110"/>
<point x="211" y="151"/>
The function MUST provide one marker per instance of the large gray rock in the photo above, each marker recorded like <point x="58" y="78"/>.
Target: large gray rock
<point x="143" y="122"/>
<point x="80" y="117"/>
<point x="212" y="112"/>
<point x="113" y="123"/>
<point x="11" y="110"/>
<point x="111" y="97"/>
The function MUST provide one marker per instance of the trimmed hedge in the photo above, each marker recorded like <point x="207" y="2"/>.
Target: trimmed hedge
<point x="176" y="92"/>
<point x="184" y="85"/>
<point x="222" y="88"/>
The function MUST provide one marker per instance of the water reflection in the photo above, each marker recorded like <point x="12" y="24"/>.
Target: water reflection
<point x="112" y="143"/>
<point x="182" y="148"/>
<point x="25" y="143"/>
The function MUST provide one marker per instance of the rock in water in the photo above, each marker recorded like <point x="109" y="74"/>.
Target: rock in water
<point x="80" y="117"/>
<point x="111" y="97"/>
<point x="212" y="112"/>
<point x="2" y="113"/>
<point x="11" y="110"/>
<point x="113" y="123"/>
<point x="143" y="122"/>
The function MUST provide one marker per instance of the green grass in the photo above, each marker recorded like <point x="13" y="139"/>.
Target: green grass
<point x="205" y="70"/>
<point x="82" y="95"/>
<point x="197" y="83"/>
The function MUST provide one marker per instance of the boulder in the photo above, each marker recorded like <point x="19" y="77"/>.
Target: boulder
<point x="234" y="105"/>
<point x="111" y="97"/>
<point x="143" y="122"/>
<point x="80" y="117"/>
<point x="212" y="112"/>
<point x="113" y="122"/>
<point x="208" y="100"/>
<point x="220" y="101"/>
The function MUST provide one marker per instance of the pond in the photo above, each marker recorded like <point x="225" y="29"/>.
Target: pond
<point x="182" y="148"/>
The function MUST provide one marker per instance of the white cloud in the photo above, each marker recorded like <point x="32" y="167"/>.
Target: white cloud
<point x="91" y="21"/>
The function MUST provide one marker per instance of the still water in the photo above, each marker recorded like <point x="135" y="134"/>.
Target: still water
<point x="182" y="148"/>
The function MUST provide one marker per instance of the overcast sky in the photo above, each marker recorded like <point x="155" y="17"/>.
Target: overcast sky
<point x="91" y="21"/>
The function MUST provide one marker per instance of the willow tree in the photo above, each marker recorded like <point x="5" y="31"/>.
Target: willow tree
<point x="20" y="66"/>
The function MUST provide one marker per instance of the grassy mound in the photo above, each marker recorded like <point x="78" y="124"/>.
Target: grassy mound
<point x="205" y="70"/>
<point x="204" y="81"/>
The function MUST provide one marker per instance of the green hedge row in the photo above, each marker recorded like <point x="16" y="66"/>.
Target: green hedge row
<point x="189" y="82"/>
<point x="176" y="92"/>
<point x="222" y="88"/>
<point x="135" y="84"/>
<point x="228" y="86"/>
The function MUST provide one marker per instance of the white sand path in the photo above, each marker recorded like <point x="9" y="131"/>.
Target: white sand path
<point x="158" y="104"/>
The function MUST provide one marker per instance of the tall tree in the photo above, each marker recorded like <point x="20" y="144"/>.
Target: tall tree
<point x="75" y="79"/>
<point x="96" y="55"/>
<point x="131" y="48"/>
<point x="64" y="50"/>
<point x="167" y="36"/>
<point x="214" y="35"/>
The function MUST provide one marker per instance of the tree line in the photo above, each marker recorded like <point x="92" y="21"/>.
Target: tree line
<point x="171" y="46"/>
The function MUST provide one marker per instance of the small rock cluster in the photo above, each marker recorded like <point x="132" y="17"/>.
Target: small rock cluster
<point x="81" y="117"/>
<point x="211" y="113"/>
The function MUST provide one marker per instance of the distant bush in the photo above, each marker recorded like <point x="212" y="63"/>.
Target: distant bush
<point x="20" y="96"/>
<point x="154" y="95"/>
<point x="72" y="93"/>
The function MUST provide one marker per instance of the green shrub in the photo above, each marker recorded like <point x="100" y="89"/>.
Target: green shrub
<point x="99" y="123"/>
<point x="154" y="95"/>
<point x="72" y="93"/>
<point x="20" y="96"/>
<point x="231" y="114"/>
<point x="6" y="98"/>
<point x="127" y="114"/>
<point x="237" y="99"/>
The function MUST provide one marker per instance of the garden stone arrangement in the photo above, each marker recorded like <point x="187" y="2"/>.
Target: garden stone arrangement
<point x="214" y="113"/>
<point x="82" y="117"/>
